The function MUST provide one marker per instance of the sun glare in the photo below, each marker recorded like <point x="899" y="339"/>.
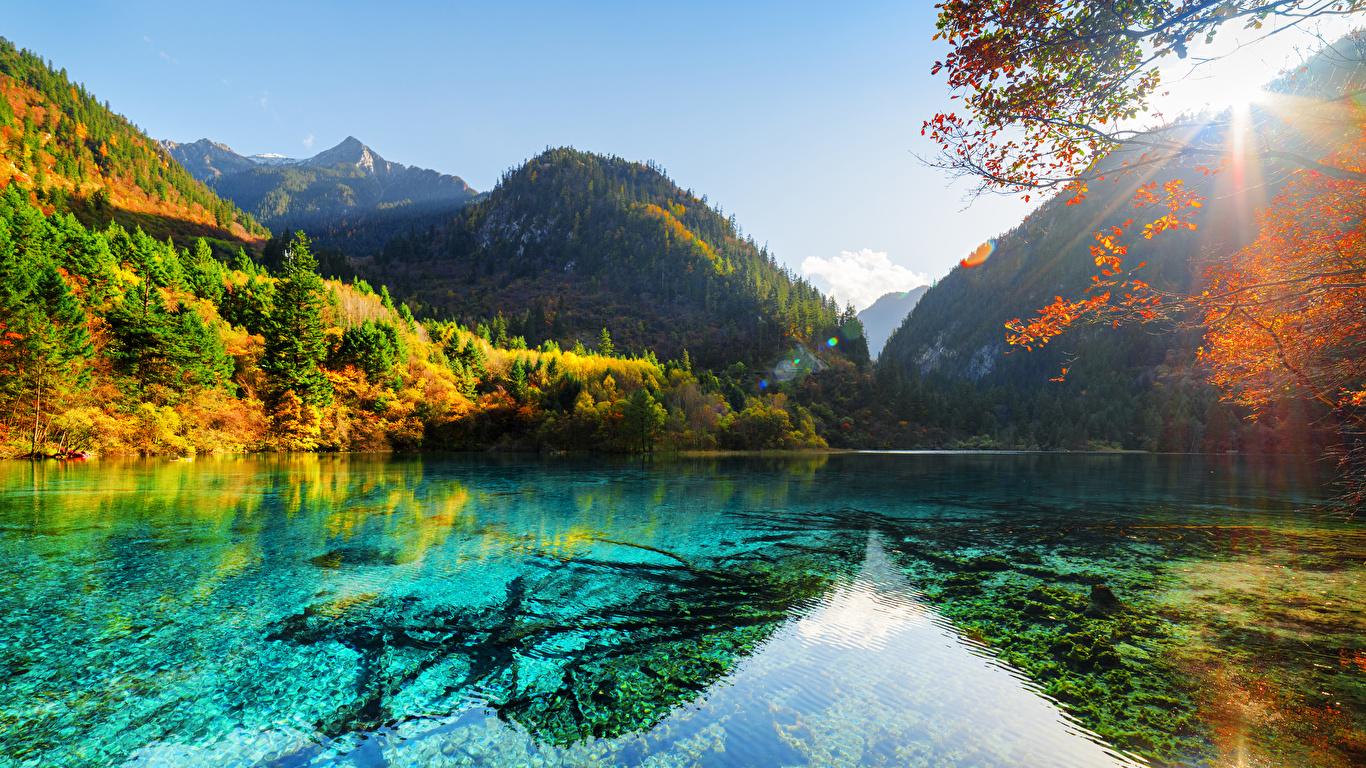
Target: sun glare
<point x="1233" y="71"/>
<point x="1216" y="92"/>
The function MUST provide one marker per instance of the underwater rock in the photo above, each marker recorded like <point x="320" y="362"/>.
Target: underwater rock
<point x="1103" y="602"/>
<point x="988" y="565"/>
<point x="356" y="556"/>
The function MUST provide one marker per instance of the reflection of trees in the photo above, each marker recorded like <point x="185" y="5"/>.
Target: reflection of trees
<point x="663" y="635"/>
<point x="1025" y="587"/>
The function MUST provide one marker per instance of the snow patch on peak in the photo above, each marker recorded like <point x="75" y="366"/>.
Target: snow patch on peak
<point x="273" y="159"/>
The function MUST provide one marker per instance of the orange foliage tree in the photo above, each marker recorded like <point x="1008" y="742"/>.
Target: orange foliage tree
<point x="1050" y="86"/>
<point x="1287" y="314"/>
<point x="1054" y="92"/>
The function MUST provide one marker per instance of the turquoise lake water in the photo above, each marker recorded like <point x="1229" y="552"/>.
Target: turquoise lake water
<point x="852" y="609"/>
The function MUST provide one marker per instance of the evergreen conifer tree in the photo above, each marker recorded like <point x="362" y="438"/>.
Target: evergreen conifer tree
<point x="372" y="347"/>
<point x="643" y="420"/>
<point x="44" y="322"/>
<point x="500" y="332"/>
<point x="295" y="341"/>
<point x="170" y="348"/>
<point x="517" y="381"/>
<point x="203" y="273"/>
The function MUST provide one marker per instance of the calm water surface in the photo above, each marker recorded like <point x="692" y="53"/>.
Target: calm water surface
<point x="867" y="609"/>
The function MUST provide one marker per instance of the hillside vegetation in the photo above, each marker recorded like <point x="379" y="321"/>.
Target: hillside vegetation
<point x="74" y="154"/>
<point x="572" y="242"/>
<point x="1132" y="387"/>
<point x="116" y="342"/>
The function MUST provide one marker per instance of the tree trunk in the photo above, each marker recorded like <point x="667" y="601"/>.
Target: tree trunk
<point x="37" y="410"/>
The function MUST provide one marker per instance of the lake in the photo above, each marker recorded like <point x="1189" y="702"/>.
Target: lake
<point x="848" y="609"/>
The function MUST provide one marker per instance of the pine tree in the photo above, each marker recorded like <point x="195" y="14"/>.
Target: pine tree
<point x="643" y="420"/>
<point x="248" y="304"/>
<point x="500" y="332"/>
<point x="372" y="347"/>
<point x="295" y="341"/>
<point x="203" y="273"/>
<point x="605" y="347"/>
<point x="244" y="264"/>
<point x="159" y="346"/>
<point x="517" y="381"/>
<point x="56" y="343"/>
<point x="197" y="351"/>
<point x="43" y="320"/>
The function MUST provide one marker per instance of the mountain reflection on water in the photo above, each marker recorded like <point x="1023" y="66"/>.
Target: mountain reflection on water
<point x="828" y="610"/>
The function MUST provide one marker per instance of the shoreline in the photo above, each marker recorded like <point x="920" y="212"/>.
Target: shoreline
<point x="689" y="453"/>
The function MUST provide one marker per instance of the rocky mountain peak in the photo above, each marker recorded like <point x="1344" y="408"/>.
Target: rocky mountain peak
<point x="350" y="152"/>
<point x="325" y="184"/>
<point x="206" y="159"/>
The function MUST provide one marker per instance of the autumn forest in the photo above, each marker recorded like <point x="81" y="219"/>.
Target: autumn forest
<point x="1207" y="301"/>
<point x="1011" y="410"/>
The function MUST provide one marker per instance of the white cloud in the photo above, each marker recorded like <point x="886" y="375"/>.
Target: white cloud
<point x="862" y="277"/>
<point x="308" y="142"/>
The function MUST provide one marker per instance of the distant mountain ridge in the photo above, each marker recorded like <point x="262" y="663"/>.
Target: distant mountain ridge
<point x="347" y="179"/>
<point x="884" y="316"/>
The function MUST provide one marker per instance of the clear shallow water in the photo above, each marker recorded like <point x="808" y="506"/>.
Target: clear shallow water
<point x="844" y="610"/>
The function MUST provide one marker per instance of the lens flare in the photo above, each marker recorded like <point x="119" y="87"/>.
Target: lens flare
<point x="832" y="341"/>
<point x="763" y="383"/>
<point x="978" y="256"/>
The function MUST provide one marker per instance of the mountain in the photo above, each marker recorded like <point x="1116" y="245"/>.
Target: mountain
<point x="573" y="242"/>
<point x="885" y="315"/>
<point x="1135" y="386"/>
<point x="1132" y="387"/>
<point x="348" y="180"/>
<point x="207" y="160"/>
<point x="76" y="155"/>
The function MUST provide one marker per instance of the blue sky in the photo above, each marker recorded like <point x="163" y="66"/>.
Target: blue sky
<point x="801" y="118"/>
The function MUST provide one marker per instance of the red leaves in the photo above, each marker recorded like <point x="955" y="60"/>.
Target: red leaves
<point x="1288" y="313"/>
<point x="1134" y="300"/>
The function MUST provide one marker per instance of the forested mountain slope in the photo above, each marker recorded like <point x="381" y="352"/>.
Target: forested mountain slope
<point x="1136" y="386"/>
<point x="573" y="242"/>
<point x="118" y="343"/>
<point x="75" y="154"/>
<point x="142" y="339"/>
<point x="1141" y="385"/>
